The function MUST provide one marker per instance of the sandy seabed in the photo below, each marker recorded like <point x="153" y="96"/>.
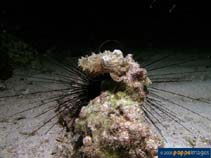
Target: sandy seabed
<point x="16" y="142"/>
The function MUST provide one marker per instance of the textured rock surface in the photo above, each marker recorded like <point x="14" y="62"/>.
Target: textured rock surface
<point x="18" y="52"/>
<point x="113" y="126"/>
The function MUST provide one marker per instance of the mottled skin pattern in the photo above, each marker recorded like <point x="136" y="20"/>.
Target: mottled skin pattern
<point x="121" y="69"/>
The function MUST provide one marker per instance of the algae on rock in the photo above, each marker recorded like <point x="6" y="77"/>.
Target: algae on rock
<point x="113" y="124"/>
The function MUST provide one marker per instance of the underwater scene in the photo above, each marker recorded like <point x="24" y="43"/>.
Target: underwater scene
<point x="70" y="92"/>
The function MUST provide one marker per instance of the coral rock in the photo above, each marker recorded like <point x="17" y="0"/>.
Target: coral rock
<point x="119" y="131"/>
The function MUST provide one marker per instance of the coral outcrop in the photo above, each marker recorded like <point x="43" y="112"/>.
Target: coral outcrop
<point x="113" y="124"/>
